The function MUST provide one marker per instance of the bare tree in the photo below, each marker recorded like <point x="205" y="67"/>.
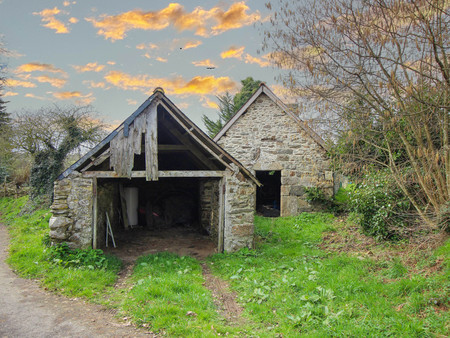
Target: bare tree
<point x="49" y="136"/>
<point x="382" y="68"/>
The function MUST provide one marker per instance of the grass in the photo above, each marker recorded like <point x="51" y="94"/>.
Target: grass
<point x="30" y="258"/>
<point x="291" y="285"/>
<point x="297" y="289"/>
<point x="167" y="295"/>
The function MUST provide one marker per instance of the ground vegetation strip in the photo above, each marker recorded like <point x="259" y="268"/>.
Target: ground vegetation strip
<point x="311" y="274"/>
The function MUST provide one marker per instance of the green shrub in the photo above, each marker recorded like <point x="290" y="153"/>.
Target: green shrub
<point x="90" y="259"/>
<point x="382" y="206"/>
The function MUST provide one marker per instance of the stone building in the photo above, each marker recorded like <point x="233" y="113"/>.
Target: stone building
<point x="280" y="149"/>
<point x="157" y="170"/>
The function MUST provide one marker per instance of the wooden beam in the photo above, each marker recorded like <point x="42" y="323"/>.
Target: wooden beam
<point x="94" y="213"/>
<point x="173" y="147"/>
<point x="98" y="160"/>
<point x="151" y="145"/>
<point x="184" y="138"/>
<point x="164" y="173"/>
<point x="123" y="205"/>
<point x="221" y="225"/>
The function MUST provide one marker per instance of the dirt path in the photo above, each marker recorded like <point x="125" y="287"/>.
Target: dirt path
<point x="28" y="311"/>
<point x="224" y="299"/>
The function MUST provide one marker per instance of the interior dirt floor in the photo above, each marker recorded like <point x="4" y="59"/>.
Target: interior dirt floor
<point x="183" y="241"/>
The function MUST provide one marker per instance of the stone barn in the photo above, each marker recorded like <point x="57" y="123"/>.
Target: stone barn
<point x="284" y="154"/>
<point x="157" y="170"/>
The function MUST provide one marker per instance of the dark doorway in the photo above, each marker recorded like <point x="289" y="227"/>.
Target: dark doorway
<point x="268" y="196"/>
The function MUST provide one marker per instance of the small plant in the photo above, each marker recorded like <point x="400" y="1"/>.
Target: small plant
<point x="315" y="195"/>
<point x="91" y="259"/>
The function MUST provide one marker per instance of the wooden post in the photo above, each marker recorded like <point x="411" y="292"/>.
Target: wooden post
<point x="221" y="228"/>
<point x="151" y="145"/>
<point x="94" y="212"/>
<point x="123" y="204"/>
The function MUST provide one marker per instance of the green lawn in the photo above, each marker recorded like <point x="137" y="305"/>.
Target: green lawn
<point x="289" y="285"/>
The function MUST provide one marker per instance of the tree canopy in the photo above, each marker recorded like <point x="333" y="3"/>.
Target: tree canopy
<point x="229" y="105"/>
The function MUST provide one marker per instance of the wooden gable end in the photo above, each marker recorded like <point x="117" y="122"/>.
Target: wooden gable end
<point x="154" y="143"/>
<point x="128" y="142"/>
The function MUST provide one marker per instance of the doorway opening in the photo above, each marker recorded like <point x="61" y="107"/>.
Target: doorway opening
<point x="172" y="214"/>
<point x="268" y="196"/>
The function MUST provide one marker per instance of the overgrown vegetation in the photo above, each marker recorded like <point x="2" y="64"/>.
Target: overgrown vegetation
<point x="383" y="87"/>
<point x="308" y="276"/>
<point x="73" y="273"/>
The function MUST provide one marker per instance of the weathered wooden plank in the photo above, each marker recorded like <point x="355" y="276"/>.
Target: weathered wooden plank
<point x="94" y="213"/>
<point x="151" y="144"/>
<point x="123" y="204"/>
<point x="164" y="173"/>
<point x="98" y="160"/>
<point x="173" y="147"/>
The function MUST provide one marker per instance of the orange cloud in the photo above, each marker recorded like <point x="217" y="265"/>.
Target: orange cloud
<point x="93" y="84"/>
<point x="48" y="16"/>
<point x="142" y="46"/>
<point x="40" y="67"/>
<point x="202" y="22"/>
<point x="90" y="67"/>
<point x="235" y="17"/>
<point x="210" y="104"/>
<point x="206" y="85"/>
<point x="55" y="82"/>
<point x="19" y="83"/>
<point x="233" y="52"/>
<point x="262" y="63"/>
<point x="73" y="20"/>
<point x="112" y="63"/>
<point x="199" y="85"/>
<point x="79" y="98"/>
<point x="6" y="94"/>
<point x="160" y="59"/>
<point x="204" y="63"/>
<point x="192" y="44"/>
<point x="131" y="102"/>
<point x="35" y="96"/>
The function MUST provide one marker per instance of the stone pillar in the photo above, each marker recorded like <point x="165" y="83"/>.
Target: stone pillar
<point x="72" y="211"/>
<point x="240" y="203"/>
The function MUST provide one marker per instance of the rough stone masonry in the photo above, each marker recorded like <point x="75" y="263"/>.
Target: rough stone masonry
<point x="266" y="138"/>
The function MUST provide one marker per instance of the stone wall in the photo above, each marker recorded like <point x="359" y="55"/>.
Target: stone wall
<point x="72" y="211"/>
<point x="209" y="206"/>
<point x="240" y="201"/>
<point x="266" y="138"/>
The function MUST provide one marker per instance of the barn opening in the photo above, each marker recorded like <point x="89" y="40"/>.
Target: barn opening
<point x="175" y="214"/>
<point x="268" y="196"/>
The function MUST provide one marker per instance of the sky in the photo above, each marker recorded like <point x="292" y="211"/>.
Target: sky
<point x="112" y="54"/>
